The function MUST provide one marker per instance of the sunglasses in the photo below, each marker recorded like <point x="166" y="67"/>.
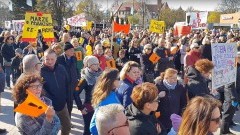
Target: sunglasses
<point x="217" y="120"/>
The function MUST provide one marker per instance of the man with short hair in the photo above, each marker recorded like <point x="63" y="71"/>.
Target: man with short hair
<point x="56" y="87"/>
<point x="110" y="119"/>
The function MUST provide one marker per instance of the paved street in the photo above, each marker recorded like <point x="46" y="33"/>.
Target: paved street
<point x="7" y="120"/>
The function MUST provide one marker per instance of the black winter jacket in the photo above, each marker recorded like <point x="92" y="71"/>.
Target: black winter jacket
<point x="174" y="102"/>
<point x="140" y="123"/>
<point x="197" y="85"/>
<point x="56" y="85"/>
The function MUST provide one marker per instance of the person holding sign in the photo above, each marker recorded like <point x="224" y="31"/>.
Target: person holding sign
<point x="47" y="123"/>
<point x="79" y="53"/>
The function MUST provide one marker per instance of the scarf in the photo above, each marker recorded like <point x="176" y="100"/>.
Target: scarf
<point x="89" y="76"/>
<point x="168" y="85"/>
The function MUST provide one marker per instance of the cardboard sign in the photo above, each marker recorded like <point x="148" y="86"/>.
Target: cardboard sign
<point x="35" y="21"/>
<point x="157" y="26"/>
<point x="18" y="25"/>
<point x="111" y="63"/>
<point x="32" y="106"/>
<point x="173" y="50"/>
<point x="125" y="28"/>
<point x="224" y="61"/>
<point x="154" y="58"/>
<point x="78" y="55"/>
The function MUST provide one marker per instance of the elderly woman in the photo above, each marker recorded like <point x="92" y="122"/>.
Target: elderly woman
<point x="201" y="117"/>
<point x="140" y="117"/>
<point x="128" y="76"/>
<point x="47" y="123"/>
<point x="198" y="78"/>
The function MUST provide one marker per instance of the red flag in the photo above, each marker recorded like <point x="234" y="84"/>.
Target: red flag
<point x="121" y="28"/>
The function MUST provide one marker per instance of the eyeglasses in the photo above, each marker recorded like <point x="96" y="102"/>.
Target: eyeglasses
<point x="217" y="120"/>
<point x="125" y="125"/>
<point x="148" y="48"/>
<point x="36" y="87"/>
<point x="10" y="39"/>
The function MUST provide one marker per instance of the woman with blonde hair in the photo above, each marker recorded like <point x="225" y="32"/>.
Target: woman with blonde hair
<point x="104" y="93"/>
<point x="173" y="96"/>
<point x="201" y="117"/>
<point x="128" y="76"/>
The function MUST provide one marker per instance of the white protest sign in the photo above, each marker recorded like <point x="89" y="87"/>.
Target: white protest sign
<point x="77" y="20"/>
<point x="224" y="60"/>
<point x="197" y="19"/>
<point x="18" y="24"/>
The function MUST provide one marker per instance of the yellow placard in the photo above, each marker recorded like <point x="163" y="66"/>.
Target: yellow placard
<point x="78" y="55"/>
<point x="32" y="106"/>
<point x="154" y="58"/>
<point x="37" y="21"/>
<point x="111" y="63"/>
<point x="157" y="26"/>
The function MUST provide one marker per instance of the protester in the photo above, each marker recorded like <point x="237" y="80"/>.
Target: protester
<point x="198" y="77"/>
<point x="202" y="116"/>
<point x="89" y="77"/>
<point x="69" y="61"/>
<point x="192" y="56"/>
<point x="56" y="86"/>
<point x="110" y="120"/>
<point x="2" y="86"/>
<point x="98" y="52"/>
<point x="47" y="123"/>
<point x="128" y="75"/>
<point x="121" y="60"/>
<point x="147" y="65"/>
<point x="134" y="51"/>
<point x="140" y="117"/>
<point x="17" y="64"/>
<point x="173" y="97"/>
<point x="104" y="93"/>
<point x="79" y="53"/>
<point x="8" y="52"/>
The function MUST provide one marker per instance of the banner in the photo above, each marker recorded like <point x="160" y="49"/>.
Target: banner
<point x="35" y="22"/>
<point x="77" y="20"/>
<point x="125" y="28"/>
<point x="18" y="25"/>
<point x="223" y="58"/>
<point x="183" y="30"/>
<point x="197" y="19"/>
<point x="157" y="26"/>
<point x="32" y="106"/>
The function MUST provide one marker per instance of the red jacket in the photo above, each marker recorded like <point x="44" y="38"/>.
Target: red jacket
<point x="102" y="60"/>
<point x="191" y="58"/>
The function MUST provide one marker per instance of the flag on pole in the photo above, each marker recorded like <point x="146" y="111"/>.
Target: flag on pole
<point x="10" y="5"/>
<point x="29" y="3"/>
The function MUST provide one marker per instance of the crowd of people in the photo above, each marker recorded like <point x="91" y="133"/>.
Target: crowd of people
<point x="131" y="95"/>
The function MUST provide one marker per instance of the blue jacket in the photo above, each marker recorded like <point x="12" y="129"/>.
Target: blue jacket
<point x="110" y="99"/>
<point x="56" y="85"/>
<point x="124" y="92"/>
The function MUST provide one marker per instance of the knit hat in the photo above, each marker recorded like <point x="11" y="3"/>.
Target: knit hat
<point x="176" y="121"/>
<point x="90" y="60"/>
<point x="19" y="50"/>
<point x="194" y="45"/>
<point x="67" y="46"/>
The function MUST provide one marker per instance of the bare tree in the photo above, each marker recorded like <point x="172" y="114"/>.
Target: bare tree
<point x="229" y="6"/>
